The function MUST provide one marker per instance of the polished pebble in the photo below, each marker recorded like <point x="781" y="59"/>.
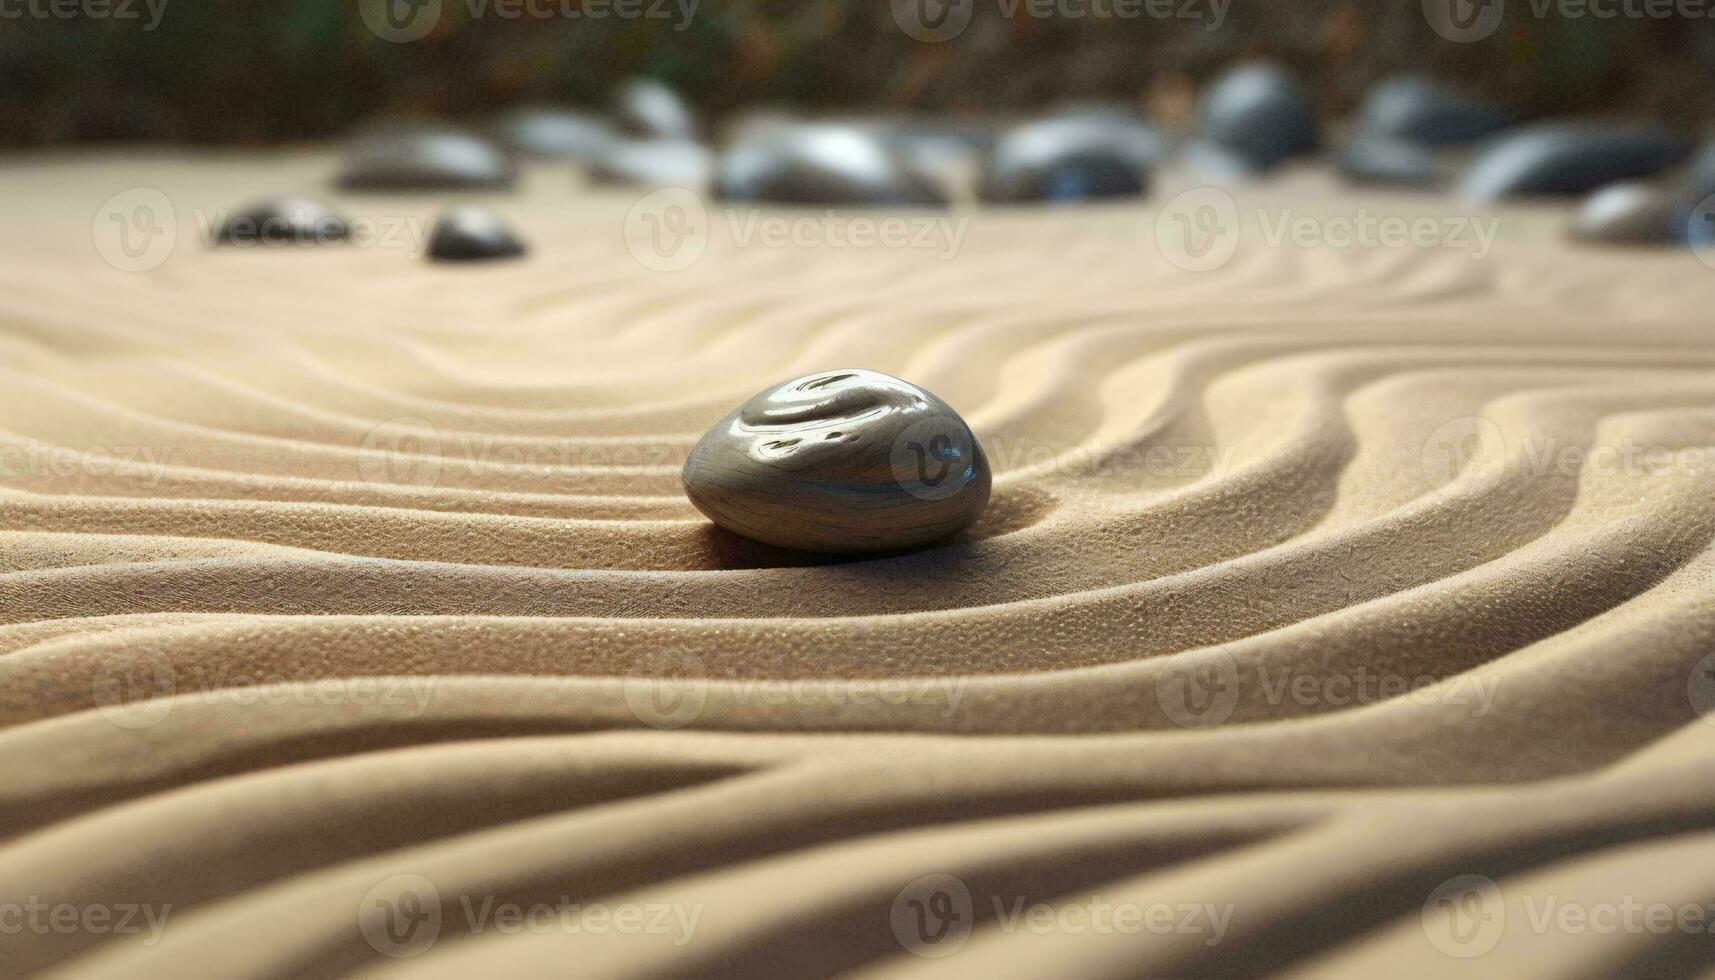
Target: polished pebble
<point x="424" y="159"/>
<point x="1078" y="157"/>
<point x="649" y="109"/>
<point x="468" y="233"/>
<point x="1259" y="112"/>
<point x="654" y="163"/>
<point x="1631" y="214"/>
<point x="1568" y="158"/>
<point x="1426" y="111"/>
<point x="1379" y="160"/>
<point x="840" y="461"/>
<point x="281" y="220"/>
<point x="822" y="163"/>
<point x="553" y="134"/>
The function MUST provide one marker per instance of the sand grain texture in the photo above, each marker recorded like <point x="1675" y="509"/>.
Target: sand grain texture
<point x="320" y="567"/>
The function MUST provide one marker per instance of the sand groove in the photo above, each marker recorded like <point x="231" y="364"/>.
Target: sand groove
<point x="307" y="586"/>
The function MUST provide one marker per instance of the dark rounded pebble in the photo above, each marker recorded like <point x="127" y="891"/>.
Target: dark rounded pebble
<point x="1080" y="157"/>
<point x="1566" y="158"/>
<point x="412" y="159"/>
<point x="279" y="220"/>
<point x="648" y="109"/>
<point x="821" y="164"/>
<point x="1427" y="111"/>
<point x="554" y="134"/>
<point x="468" y="233"/>
<point x="1258" y="112"/>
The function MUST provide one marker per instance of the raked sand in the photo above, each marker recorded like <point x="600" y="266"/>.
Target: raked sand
<point x="1339" y="611"/>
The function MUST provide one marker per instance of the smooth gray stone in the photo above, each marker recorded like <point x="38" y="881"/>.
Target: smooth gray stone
<point x="1427" y="111"/>
<point x="649" y="109"/>
<point x="1081" y="157"/>
<point x="1631" y="214"/>
<point x="554" y="134"/>
<point x="1259" y="112"/>
<point x="284" y="219"/>
<point x="469" y="233"/>
<point x="1378" y="160"/>
<point x="821" y="163"/>
<point x="1568" y="158"/>
<point x="655" y="163"/>
<point x="424" y="159"/>
<point x="840" y="461"/>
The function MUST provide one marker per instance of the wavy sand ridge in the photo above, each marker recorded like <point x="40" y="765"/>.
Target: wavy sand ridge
<point x="336" y="589"/>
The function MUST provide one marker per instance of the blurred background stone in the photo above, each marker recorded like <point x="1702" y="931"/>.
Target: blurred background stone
<point x="237" y="72"/>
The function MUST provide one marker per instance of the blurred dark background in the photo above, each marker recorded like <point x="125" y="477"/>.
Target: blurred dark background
<point x="254" y="72"/>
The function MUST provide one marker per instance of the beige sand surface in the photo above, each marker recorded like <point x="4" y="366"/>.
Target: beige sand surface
<point x="353" y="622"/>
